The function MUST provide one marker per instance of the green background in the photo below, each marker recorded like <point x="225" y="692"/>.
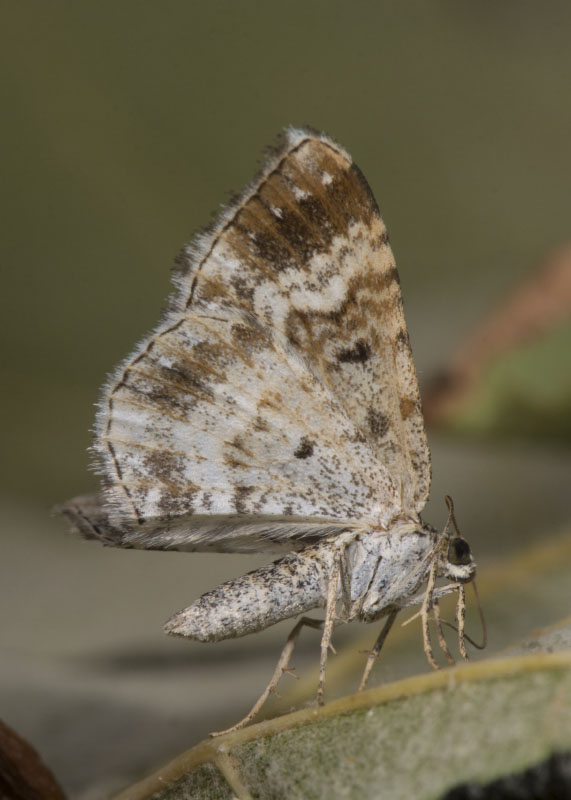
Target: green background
<point x="125" y="125"/>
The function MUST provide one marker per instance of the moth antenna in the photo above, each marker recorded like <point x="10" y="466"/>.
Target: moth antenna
<point x="482" y="621"/>
<point x="455" y="628"/>
<point x="451" y="517"/>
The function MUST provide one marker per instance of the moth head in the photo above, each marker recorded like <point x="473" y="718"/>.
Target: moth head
<point x="456" y="559"/>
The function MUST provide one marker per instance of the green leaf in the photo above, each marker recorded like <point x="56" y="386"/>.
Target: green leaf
<point x="413" y="738"/>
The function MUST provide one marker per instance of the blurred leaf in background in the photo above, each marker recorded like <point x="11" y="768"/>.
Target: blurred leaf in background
<point x="513" y="375"/>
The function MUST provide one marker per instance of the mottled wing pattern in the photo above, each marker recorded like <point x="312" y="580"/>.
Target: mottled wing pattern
<point x="278" y="397"/>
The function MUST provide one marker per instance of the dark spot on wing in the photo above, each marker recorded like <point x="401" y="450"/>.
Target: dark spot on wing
<point x="241" y="494"/>
<point x="382" y="240"/>
<point x="315" y="211"/>
<point x="237" y="457"/>
<point x="293" y="229"/>
<point x="238" y="443"/>
<point x="243" y="288"/>
<point x="402" y="338"/>
<point x="186" y="378"/>
<point x="171" y="505"/>
<point x="269" y="248"/>
<point x="260" y="424"/>
<point x="378" y="422"/>
<point x="177" y="495"/>
<point x="251" y="338"/>
<point x="305" y="448"/>
<point x="174" y="403"/>
<point x="357" y="354"/>
<point x="164" y="466"/>
<point x="407" y="407"/>
<point x="233" y="462"/>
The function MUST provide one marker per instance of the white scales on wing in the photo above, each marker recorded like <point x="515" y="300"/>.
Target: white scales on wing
<point x="276" y="407"/>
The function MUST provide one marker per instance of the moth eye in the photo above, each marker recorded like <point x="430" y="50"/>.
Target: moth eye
<point x="459" y="552"/>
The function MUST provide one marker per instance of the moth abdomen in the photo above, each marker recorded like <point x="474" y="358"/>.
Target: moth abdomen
<point x="288" y="587"/>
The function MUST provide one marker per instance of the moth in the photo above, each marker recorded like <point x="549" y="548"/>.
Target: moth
<point x="275" y="408"/>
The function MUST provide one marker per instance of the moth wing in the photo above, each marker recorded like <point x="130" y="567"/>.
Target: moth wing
<point x="280" y="385"/>
<point x="93" y="517"/>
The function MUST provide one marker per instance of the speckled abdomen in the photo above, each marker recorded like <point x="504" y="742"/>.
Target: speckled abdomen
<point x="290" y="586"/>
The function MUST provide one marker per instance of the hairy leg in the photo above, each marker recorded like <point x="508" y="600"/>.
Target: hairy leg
<point x="440" y="632"/>
<point x="461" y="620"/>
<point x="332" y="593"/>
<point x="374" y="653"/>
<point x="426" y="608"/>
<point x="281" y="667"/>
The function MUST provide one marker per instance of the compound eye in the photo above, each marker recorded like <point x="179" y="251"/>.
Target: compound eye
<point x="459" y="552"/>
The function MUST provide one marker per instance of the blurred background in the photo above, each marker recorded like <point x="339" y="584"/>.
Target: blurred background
<point x="125" y="125"/>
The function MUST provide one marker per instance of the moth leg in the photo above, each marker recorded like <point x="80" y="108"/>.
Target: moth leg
<point x="345" y="590"/>
<point x="461" y="620"/>
<point x="332" y="591"/>
<point x="426" y="608"/>
<point x="374" y="653"/>
<point x="281" y="667"/>
<point x="440" y="632"/>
